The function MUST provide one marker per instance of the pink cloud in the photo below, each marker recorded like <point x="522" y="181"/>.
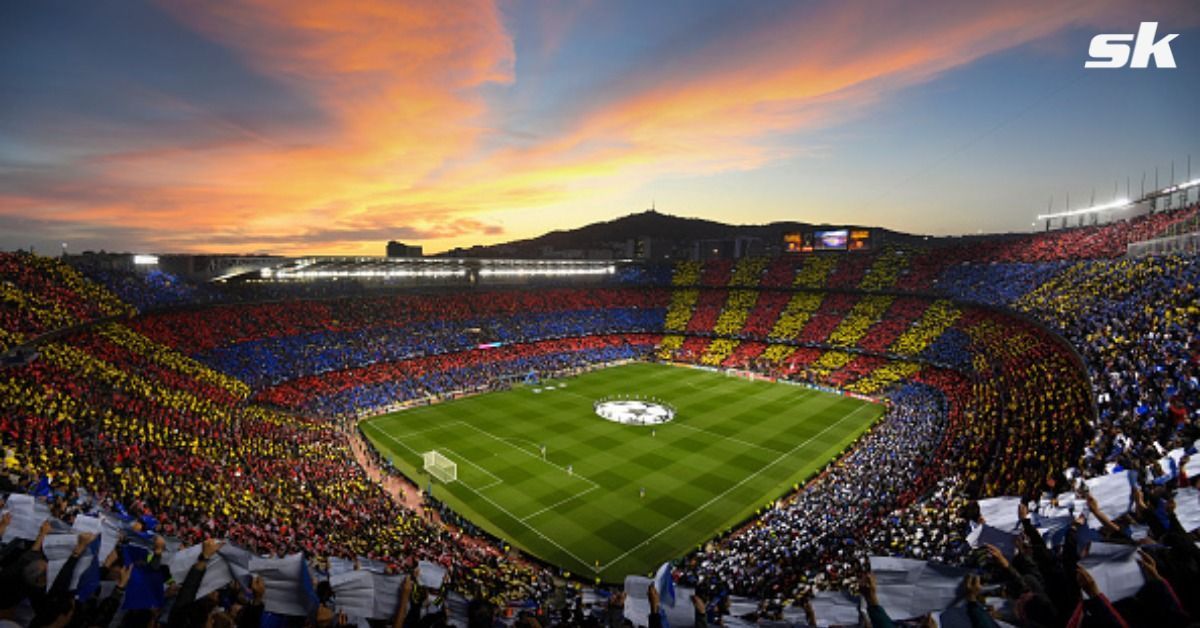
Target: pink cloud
<point x="402" y="84"/>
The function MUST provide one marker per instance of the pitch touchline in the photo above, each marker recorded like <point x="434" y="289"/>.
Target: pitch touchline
<point x="381" y="431"/>
<point x="738" y="440"/>
<point x="727" y="491"/>
<point x="403" y="412"/>
<point x="531" y="528"/>
<point x="728" y="438"/>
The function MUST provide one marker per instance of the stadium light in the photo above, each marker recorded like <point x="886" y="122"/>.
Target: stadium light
<point x="145" y="260"/>
<point x="545" y="272"/>
<point x="1182" y="186"/>
<point x="324" y="274"/>
<point x="1118" y="204"/>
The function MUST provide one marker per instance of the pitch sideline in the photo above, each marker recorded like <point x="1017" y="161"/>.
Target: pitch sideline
<point x="705" y="505"/>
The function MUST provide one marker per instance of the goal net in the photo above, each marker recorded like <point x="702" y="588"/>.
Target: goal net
<point x="440" y="467"/>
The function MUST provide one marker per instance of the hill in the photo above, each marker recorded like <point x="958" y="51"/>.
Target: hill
<point x="676" y="232"/>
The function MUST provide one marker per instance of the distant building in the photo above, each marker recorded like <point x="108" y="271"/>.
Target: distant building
<point x="727" y="248"/>
<point x="549" y="252"/>
<point x="194" y="267"/>
<point x="399" y="249"/>
<point x="648" y="248"/>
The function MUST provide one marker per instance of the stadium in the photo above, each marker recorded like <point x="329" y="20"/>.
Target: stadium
<point x="678" y="422"/>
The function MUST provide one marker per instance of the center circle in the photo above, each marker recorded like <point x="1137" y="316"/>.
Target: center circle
<point x="634" y="411"/>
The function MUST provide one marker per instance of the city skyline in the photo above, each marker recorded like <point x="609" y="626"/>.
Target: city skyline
<point x="330" y="129"/>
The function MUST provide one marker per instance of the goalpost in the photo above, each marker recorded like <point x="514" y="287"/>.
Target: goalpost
<point x="440" y="467"/>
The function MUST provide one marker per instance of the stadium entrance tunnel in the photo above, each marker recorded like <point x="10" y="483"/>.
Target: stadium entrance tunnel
<point x="634" y="411"/>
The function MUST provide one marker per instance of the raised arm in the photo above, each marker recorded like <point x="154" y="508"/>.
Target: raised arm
<point x="878" y="615"/>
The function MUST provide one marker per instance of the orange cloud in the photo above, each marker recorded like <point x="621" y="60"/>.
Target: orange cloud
<point x="398" y="81"/>
<point x="406" y="146"/>
<point x="806" y="70"/>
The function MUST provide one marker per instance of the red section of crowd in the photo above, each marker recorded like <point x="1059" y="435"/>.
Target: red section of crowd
<point x="196" y="331"/>
<point x="296" y="393"/>
<point x="708" y="308"/>
<point x="40" y="294"/>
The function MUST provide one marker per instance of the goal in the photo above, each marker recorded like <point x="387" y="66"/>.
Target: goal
<point x="440" y="467"/>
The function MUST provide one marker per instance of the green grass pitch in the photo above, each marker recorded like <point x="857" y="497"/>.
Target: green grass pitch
<point x="734" y="446"/>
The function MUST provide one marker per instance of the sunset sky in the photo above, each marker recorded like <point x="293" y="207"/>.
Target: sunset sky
<point x="331" y="127"/>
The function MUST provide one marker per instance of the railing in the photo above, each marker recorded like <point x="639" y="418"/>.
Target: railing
<point x="1186" y="243"/>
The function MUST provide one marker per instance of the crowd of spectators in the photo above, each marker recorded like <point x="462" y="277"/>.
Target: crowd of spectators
<point x="156" y="417"/>
<point x="814" y="539"/>
<point x="143" y="430"/>
<point x="275" y="360"/>
<point x="1134" y="323"/>
<point x="147" y="288"/>
<point x="40" y="295"/>
<point x="369" y="389"/>
<point x="1136" y="328"/>
<point x="195" y="332"/>
<point x="72" y="560"/>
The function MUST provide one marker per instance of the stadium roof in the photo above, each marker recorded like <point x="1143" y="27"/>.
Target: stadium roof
<point x="429" y="268"/>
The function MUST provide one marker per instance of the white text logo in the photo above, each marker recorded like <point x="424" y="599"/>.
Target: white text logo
<point x="1110" y="50"/>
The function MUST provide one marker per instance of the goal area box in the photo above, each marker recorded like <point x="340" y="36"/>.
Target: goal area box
<point x="440" y="467"/>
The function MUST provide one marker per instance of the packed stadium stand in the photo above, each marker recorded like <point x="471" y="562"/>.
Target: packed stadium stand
<point x="1013" y="369"/>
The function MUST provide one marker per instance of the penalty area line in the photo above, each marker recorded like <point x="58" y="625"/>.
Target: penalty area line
<point x="559" y="503"/>
<point x="495" y="480"/>
<point x="502" y="509"/>
<point x="531" y="454"/>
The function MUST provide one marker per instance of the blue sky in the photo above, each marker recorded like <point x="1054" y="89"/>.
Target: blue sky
<point x="262" y="125"/>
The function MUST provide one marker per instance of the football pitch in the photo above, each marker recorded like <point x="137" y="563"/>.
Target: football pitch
<point x="734" y="446"/>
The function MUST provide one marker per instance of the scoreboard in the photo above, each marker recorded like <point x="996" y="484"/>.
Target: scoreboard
<point x="827" y="240"/>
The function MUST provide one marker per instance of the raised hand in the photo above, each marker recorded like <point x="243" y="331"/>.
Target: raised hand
<point x="406" y="588"/>
<point x="972" y="586"/>
<point x="1149" y="567"/>
<point x="123" y="575"/>
<point x="866" y="586"/>
<point x="1086" y="583"/>
<point x="210" y="547"/>
<point x="81" y="543"/>
<point x="996" y="555"/>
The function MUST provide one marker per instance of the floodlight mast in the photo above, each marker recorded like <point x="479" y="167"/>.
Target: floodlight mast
<point x="1117" y="204"/>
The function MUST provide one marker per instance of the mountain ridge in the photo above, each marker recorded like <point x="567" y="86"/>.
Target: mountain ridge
<point x="657" y="226"/>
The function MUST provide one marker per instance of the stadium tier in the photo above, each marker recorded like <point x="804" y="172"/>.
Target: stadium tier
<point x="1004" y="367"/>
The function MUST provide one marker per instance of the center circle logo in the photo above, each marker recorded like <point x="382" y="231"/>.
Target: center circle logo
<point x="634" y="410"/>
